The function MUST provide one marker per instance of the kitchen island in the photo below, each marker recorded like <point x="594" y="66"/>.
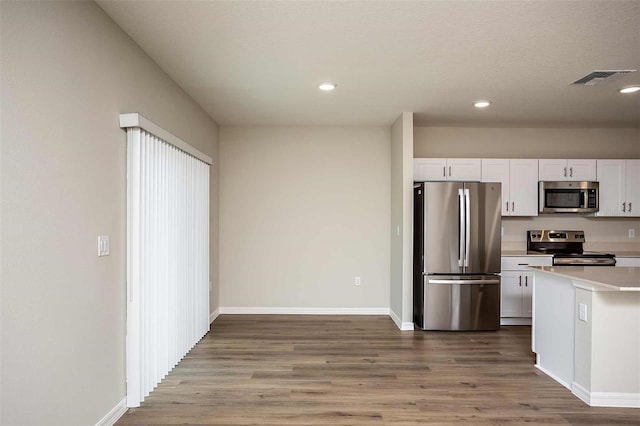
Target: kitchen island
<point x="586" y="331"/>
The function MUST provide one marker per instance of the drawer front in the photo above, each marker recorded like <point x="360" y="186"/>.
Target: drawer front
<point x="510" y="263"/>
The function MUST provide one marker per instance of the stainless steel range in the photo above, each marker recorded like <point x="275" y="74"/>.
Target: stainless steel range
<point x="566" y="248"/>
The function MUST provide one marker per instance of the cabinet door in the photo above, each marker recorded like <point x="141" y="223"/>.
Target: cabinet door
<point x="552" y="170"/>
<point x="611" y="175"/>
<point x="429" y="169"/>
<point x="497" y="170"/>
<point x="524" y="187"/>
<point x="464" y="169"/>
<point x="633" y="187"/>
<point x="527" y="294"/>
<point x="580" y="170"/>
<point x="511" y="294"/>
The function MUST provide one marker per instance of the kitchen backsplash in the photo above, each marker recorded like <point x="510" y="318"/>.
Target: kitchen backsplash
<point x="600" y="233"/>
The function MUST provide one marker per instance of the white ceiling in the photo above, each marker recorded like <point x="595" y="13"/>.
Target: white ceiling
<point x="259" y="62"/>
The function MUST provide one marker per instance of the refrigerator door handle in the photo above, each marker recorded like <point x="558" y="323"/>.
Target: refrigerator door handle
<point x="496" y="281"/>
<point x="461" y="229"/>
<point x="467" y="226"/>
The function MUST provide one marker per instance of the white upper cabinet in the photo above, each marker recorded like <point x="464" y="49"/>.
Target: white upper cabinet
<point x="519" y="178"/>
<point x="429" y="169"/>
<point x="619" y="187"/>
<point x="467" y="169"/>
<point x="524" y="187"/>
<point x="574" y="170"/>
<point x="452" y="169"/>
<point x="611" y="175"/>
<point x="633" y="187"/>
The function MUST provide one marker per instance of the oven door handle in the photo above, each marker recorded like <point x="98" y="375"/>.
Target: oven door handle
<point x="581" y="261"/>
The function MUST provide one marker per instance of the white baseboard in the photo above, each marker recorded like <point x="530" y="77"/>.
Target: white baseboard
<point x="515" y="321"/>
<point x="407" y="326"/>
<point x="550" y="374"/>
<point x="606" y="399"/>
<point x="214" y="315"/>
<point x="303" y="311"/>
<point x="581" y="393"/>
<point x="114" y="415"/>
<point x="404" y="326"/>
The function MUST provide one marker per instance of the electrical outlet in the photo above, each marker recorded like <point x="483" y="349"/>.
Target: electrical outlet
<point x="357" y="281"/>
<point x="632" y="233"/>
<point x="582" y="312"/>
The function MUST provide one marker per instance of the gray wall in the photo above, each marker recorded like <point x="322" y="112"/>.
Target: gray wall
<point x="514" y="142"/>
<point x="303" y="210"/>
<point x="67" y="72"/>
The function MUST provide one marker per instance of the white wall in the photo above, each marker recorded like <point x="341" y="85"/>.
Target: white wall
<point x="303" y="210"/>
<point x="401" y="296"/>
<point x="67" y="72"/>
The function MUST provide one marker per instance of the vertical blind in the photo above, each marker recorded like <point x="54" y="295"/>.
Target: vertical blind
<point x="167" y="259"/>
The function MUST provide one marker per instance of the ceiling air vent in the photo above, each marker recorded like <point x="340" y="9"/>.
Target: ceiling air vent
<point x="601" y="77"/>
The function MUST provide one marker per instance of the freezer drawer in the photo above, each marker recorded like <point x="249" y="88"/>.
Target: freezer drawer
<point x="458" y="303"/>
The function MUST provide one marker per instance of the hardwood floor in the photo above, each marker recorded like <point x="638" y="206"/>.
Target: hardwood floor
<point x="361" y="370"/>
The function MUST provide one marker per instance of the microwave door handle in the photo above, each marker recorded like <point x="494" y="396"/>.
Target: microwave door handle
<point x="586" y="199"/>
<point x="460" y="227"/>
<point x="467" y="226"/>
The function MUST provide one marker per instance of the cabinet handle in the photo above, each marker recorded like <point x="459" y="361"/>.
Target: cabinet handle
<point x="449" y="170"/>
<point x="565" y="172"/>
<point x="507" y="206"/>
<point x="571" y="171"/>
<point x="513" y="206"/>
<point x="629" y="206"/>
<point x="444" y="171"/>
<point x="624" y="207"/>
<point x="526" y="281"/>
<point x="520" y="280"/>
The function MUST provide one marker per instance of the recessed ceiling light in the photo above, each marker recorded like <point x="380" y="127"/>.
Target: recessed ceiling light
<point x="327" y="86"/>
<point x="630" y="89"/>
<point x="481" y="104"/>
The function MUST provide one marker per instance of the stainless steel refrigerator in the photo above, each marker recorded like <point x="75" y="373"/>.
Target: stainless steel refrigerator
<point x="457" y="237"/>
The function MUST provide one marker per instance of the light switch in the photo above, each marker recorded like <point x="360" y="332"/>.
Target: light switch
<point x="103" y="245"/>
<point x="582" y="312"/>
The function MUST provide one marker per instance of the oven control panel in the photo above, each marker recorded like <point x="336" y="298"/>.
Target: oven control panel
<point x="553" y="236"/>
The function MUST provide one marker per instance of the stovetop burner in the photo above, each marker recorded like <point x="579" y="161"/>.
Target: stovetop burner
<point x="566" y="248"/>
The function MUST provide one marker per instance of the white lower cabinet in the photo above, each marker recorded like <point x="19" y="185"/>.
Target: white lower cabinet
<point x="516" y="294"/>
<point x="517" y="288"/>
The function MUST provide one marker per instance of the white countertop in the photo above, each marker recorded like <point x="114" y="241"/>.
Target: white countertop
<point x="616" y="278"/>
<point x="627" y="253"/>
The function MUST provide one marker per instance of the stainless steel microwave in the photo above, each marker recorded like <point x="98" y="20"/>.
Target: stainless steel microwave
<point x="568" y="197"/>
